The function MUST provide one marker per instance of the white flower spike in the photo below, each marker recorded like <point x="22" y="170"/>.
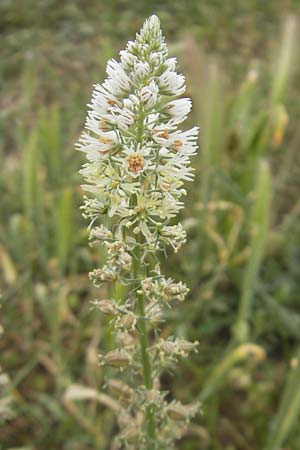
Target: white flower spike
<point x="137" y="162"/>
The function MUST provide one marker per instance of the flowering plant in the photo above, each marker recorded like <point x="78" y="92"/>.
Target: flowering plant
<point x="138" y="161"/>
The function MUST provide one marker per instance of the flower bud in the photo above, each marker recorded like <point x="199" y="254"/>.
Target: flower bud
<point x="149" y="94"/>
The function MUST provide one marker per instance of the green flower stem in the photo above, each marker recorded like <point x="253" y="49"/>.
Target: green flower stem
<point x="140" y="309"/>
<point x="143" y="335"/>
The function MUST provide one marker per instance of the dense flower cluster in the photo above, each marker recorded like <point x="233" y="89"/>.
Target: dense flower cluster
<point x="138" y="161"/>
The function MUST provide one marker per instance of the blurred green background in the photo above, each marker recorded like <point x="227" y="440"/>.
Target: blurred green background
<point x="242" y="259"/>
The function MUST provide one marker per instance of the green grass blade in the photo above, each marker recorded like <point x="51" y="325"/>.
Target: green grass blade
<point x="289" y="408"/>
<point x="63" y="227"/>
<point x="50" y="137"/>
<point x="285" y="63"/>
<point x="219" y="374"/>
<point x="259" y="224"/>
<point x="30" y="176"/>
<point x="212" y="129"/>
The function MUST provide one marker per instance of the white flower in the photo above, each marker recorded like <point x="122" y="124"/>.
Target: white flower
<point x="129" y="137"/>
<point x="171" y="64"/>
<point x="179" y="109"/>
<point x="118" y="82"/>
<point x="124" y="119"/>
<point x="149" y="94"/>
<point x="171" y="83"/>
<point x="100" y="147"/>
<point x="173" y="235"/>
<point x="165" y="290"/>
<point x="141" y="68"/>
<point x="102" y="99"/>
<point x="127" y="59"/>
<point x="184" y="143"/>
<point x="93" y="209"/>
<point x="135" y="160"/>
<point x="117" y="256"/>
<point x="156" y="59"/>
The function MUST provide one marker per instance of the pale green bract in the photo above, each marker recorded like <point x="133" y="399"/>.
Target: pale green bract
<point x="138" y="161"/>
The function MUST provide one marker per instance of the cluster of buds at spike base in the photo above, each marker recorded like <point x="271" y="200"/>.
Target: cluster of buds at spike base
<point x="137" y="162"/>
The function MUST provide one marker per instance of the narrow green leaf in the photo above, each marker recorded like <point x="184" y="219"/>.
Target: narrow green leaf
<point x="212" y="129"/>
<point x="285" y="63"/>
<point x="258" y="225"/>
<point x="30" y="175"/>
<point x="63" y="227"/>
<point x="289" y="408"/>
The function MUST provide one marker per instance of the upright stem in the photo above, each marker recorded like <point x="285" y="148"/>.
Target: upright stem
<point x="143" y="336"/>
<point x="140" y="309"/>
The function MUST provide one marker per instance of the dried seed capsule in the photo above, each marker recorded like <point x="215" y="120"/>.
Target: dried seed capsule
<point x="99" y="234"/>
<point x="125" y="340"/>
<point x="125" y="261"/>
<point x="128" y="321"/>
<point x="119" y="388"/>
<point x="102" y="275"/>
<point x="177" y="411"/>
<point x="116" y="358"/>
<point x="167" y="347"/>
<point x="186" y="346"/>
<point x="106" y="307"/>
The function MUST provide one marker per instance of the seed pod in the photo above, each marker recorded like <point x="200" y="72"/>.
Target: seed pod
<point x="124" y="340"/>
<point x="167" y="347"/>
<point x="116" y="358"/>
<point x="179" y="412"/>
<point x="119" y="388"/>
<point x="99" y="234"/>
<point x="106" y="307"/>
<point x="128" y="321"/>
<point x="125" y="261"/>
<point x="186" y="346"/>
<point x="102" y="275"/>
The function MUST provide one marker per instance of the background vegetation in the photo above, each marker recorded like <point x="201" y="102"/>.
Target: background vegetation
<point x="242" y="259"/>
